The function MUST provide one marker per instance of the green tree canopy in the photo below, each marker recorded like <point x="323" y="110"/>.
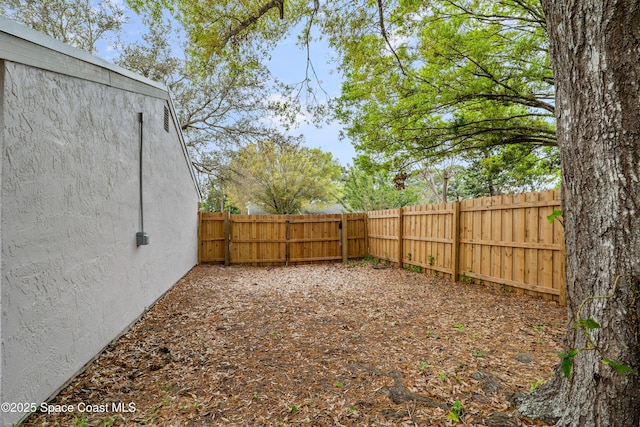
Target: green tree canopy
<point x="79" y="23"/>
<point x="282" y="177"/>
<point x="434" y="78"/>
<point x="422" y="78"/>
<point x="373" y="190"/>
<point x="509" y="169"/>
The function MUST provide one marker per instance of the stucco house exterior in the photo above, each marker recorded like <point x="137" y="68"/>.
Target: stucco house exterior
<point x="98" y="209"/>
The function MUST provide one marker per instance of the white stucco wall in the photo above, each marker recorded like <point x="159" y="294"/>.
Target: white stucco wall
<point x="72" y="277"/>
<point x="1" y="275"/>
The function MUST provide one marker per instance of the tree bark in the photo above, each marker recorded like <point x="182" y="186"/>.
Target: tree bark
<point x="446" y="176"/>
<point x="595" y="53"/>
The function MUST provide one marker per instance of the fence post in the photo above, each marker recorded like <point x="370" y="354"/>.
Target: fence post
<point x="455" y="234"/>
<point x="227" y="238"/>
<point x="400" y="237"/>
<point x="366" y="235"/>
<point x="287" y="237"/>
<point x="345" y="239"/>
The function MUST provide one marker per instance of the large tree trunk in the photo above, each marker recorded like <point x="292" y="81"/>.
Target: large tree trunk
<point x="595" y="53"/>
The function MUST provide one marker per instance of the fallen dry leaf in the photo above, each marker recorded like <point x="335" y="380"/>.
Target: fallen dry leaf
<point x="320" y="345"/>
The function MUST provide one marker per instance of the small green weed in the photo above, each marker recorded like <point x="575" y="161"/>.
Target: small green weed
<point x="534" y="385"/>
<point x="276" y="334"/>
<point x="465" y="278"/>
<point x="339" y="384"/>
<point x="456" y="411"/>
<point x="478" y="353"/>
<point x="165" y="401"/>
<point x="424" y="365"/>
<point x="80" y="421"/>
<point x="151" y="417"/>
<point x="459" y="326"/>
<point x="105" y="422"/>
<point x="414" y="268"/>
<point x="431" y="334"/>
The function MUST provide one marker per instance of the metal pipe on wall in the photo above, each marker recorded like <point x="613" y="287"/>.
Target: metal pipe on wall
<point x="141" y="237"/>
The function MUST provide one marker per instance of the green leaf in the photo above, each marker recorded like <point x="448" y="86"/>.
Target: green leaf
<point x="567" y="365"/>
<point x="570" y="354"/>
<point x="555" y="214"/>
<point x="567" y="362"/>
<point x="621" y="369"/>
<point x="589" y="324"/>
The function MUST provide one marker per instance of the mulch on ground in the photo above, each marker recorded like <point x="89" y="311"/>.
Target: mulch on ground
<point x="320" y="345"/>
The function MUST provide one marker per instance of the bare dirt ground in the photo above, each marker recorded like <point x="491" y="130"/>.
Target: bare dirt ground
<point x="320" y="345"/>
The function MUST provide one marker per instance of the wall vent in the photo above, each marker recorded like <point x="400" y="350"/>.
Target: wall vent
<point x="166" y="119"/>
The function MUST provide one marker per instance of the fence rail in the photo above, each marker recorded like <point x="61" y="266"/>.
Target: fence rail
<point x="504" y="240"/>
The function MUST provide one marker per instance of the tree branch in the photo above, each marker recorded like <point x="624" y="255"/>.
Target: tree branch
<point x="243" y="25"/>
<point x="383" y="31"/>
<point x="509" y="99"/>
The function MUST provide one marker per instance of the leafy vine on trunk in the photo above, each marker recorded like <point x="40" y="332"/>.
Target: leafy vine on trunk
<point x="589" y="324"/>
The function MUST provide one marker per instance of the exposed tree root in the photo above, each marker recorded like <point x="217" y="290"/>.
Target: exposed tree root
<point x="398" y="393"/>
<point x="546" y="403"/>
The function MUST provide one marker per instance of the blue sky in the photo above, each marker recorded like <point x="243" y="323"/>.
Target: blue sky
<point x="288" y="63"/>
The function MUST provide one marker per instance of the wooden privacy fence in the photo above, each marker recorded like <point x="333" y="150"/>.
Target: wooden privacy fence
<point x="276" y="239"/>
<point x="505" y="240"/>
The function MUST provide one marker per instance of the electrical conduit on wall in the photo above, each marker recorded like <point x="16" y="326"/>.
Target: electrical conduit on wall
<point x="141" y="236"/>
